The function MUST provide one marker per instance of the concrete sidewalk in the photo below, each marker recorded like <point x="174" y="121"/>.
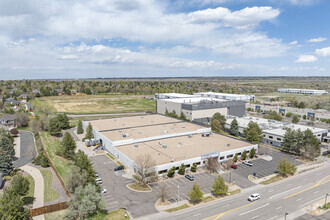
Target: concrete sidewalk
<point x="39" y="187"/>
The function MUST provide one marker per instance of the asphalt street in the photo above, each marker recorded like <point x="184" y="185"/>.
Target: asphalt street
<point x="28" y="150"/>
<point x="286" y="196"/>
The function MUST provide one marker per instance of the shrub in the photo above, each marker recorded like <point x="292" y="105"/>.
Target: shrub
<point x="243" y="157"/>
<point x="171" y="172"/>
<point x="252" y="153"/>
<point x="41" y="160"/>
<point x="194" y="168"/>
<point x="182" y="169"/>
<point x="235" y="158"/>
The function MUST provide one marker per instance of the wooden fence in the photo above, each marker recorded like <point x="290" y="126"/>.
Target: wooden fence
<point x="48" y="209"/>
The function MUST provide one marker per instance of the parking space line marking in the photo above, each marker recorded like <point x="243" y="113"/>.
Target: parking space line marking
<point x="210" y="188"/>
<point x="279" y="207"/>
<point x="112" y="202"/>
<point x="253" y="209"/>
<point x="172" y="198"/>
<point x="255" y="217"/>
<point x="172" y="183"/>
<point x="185" y="195"/>
<point x="197" y="214"/>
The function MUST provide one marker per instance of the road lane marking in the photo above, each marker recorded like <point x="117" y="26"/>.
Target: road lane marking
<point x="318" y="174"/>
<point x="254" y="209"/>
<point x="311" y="201"/>
<point x="221" y="214"/>
<point x="316" y="192"/>
<point x="299" y="199"/>
<point x="284" y="192"/>
<point x="273" y="217"/>
<point x="255" y="217"/>
<point x="197" y="214"/>
<point x="316" y="185"/>
<point x="225" y="205"/>
<point x="279" y="207"/>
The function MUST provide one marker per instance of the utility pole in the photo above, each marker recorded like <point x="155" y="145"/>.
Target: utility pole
<point x="325" y="202"/>
<point x="285" y="215"/>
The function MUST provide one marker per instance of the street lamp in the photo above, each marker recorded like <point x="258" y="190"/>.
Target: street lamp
<point x="178" y="192"/>
<point x="285" y="215"/>
<point x="325" y="202"/>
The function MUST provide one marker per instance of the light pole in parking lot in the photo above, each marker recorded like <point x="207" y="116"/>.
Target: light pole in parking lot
<point x="178" y="192"/>
<point x="325" y="202"/>
<point x="285" y="215"/>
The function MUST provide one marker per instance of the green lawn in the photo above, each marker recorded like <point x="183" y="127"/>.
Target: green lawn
<point x="271" y="180"/>
<point x="184" y="206"/>
<point x="63" y="166"/>
<point x="93" y="104"/>
<point x="208" y="199"/>
<point x="114" y="215"/>
<point x="50" y="193"/>
<point x="31" y="188"/>
<point x="139" y="187"/>
<point x="55" y="215"/>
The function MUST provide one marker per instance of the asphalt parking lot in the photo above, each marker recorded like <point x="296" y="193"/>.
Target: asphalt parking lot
<point x="118" y="195"/>
<point x="263" y="167"/>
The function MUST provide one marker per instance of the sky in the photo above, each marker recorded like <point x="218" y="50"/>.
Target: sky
<point x="52" y="39"/>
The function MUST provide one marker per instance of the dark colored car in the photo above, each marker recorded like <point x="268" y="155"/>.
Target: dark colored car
<point x="119" y="168"/>
<point x="190" y="177"/>
<point x="233" y="166"/>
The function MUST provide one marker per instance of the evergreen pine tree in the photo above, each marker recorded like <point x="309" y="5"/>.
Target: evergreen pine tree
<point x="80" y="129"/>
<point x="89" y="132"/>
<point x="234" y="127"/>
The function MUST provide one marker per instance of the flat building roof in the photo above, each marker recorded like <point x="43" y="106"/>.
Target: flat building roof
<point x="129" y="122"/>
<point x="182" y="148"/>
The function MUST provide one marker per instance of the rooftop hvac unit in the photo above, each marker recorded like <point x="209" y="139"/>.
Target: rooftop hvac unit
<point x="172" y="160"/>
<point x="164" y="146"/>
<point x="126" y="135"/>
<point x="120" y="131"/>
<point x="206" y="134"/>
<point x="183" y="126"/>
<point x="228" y="145"/>
<point x="165" y="131"/>
<point x="190" y="136"/>
<point x="136" y="145"/>
<point x="160" y="143"/>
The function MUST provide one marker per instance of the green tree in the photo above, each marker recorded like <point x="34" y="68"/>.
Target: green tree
<point x="196" y="194"/>
<point x="63" y="120"/>
<point x="311" y="145"/>
<point x="55" y="127"/>
<point x="244" y="155"/>
<point x="166" y="112"/>
<point x="85" y="165"/>
<point x="288" y="115"/>
<point x="193" y="168"/>
<point x="183" y="117"/>
<point x="220" y="118"/>
<point x="89" y="132"/>
<point x="20" y="185"/>
<point x="219" y="186"/>
<point x="69" y="145"/>
<point x="84" y="202"/>
<point x="235" y="158"/>
<point x="80" y="129"/>
<point x="6" y="143"/>
<point x="12" y="206"/>
<point x="304" y="117"/>
<point x="285" y="168"/>
<point x="295" y="119"/>
<point x="253" y="132"/>
<point x="302" y="105"/>
<point x="234" y="127"/>
<point x="182" y="169"/>
<point x="171" y="172"/>
<point x="6" y="163"/>
<point x="216" y="126"/>
<point x="252" y="153"/>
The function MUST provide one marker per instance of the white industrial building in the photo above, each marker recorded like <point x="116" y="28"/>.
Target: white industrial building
<point x="303" y="91"/>
<point x="169" y="141"/>
<point x="273" y="130"/>
<point x="232" y="97"/>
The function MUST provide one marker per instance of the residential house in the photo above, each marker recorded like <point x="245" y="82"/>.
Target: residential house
<point x="8" y="120"/>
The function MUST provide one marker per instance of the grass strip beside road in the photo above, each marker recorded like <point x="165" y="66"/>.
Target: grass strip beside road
<point x="325" y="207"/>
<point x="208" y="199"/>
<point x="184" y="206"/>
<point x="50" y="193"/>
<point x="115" y="160"/>
<point x="63" y="166"/>
<point x="271" y="180"/>
<point x="118" y="214"/>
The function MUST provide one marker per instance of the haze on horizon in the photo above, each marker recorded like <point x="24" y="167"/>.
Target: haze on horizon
<point x="172" y="38"/>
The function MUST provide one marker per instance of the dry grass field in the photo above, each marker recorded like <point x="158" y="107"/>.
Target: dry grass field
<point x="93" y="104"/>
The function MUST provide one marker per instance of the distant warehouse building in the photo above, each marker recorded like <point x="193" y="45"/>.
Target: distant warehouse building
<point x="303" y="91"/>
<point x="273" y="131"/>
<point x="200" y="109"/>
<point x="232" y="97"/>
<point x="170" y="142"/>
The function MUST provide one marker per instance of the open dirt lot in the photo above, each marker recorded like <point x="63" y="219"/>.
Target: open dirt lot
<point x="93" y="104"/>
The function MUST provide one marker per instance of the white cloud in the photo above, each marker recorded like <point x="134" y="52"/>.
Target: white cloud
<point x="324" y="52"/>
<point x="317" y="40"/>
<point x="306" y="59"/>
<point x="303" y="2"/>
<point x="293" y="43"/>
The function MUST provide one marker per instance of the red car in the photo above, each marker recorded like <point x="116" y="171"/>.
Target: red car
<point x="233" y="166"/>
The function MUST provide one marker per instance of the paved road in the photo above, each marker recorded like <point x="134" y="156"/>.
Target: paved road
<point x="303" y="189"/>
<point x="107" y="114"/>
<point x="28" y="150"/>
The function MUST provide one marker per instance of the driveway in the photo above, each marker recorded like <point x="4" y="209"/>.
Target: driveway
<point x="28" y="149"/>
<point x="118" y="195"/>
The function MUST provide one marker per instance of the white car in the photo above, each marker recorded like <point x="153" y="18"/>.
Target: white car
<point x="246" y="162"/>
<point x="103" y="191"/>
<point x="254" y="197"/>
